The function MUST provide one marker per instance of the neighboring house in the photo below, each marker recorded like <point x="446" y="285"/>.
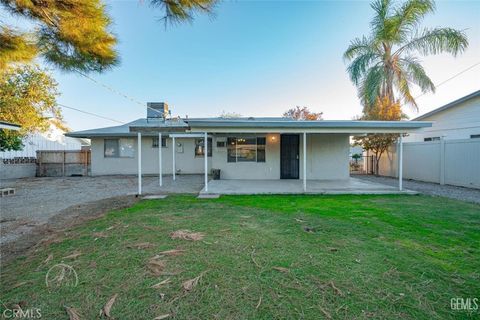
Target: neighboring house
<point x="9" y="126"/>
<point x="53" y="139"/>
<point x="242" y="148"/>
<point x="459" y="119"/>
<point x="448" y="152"/>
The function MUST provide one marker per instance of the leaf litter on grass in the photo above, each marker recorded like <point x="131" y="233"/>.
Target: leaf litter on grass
<point x="108" y="306"/>
<point x="161" y="283"/>
<point x="172" y="252"/>
<point x="141" y="245"/>
<point x="187" y="235"/>
<point x="73" y="313"/>
<point x="73" y="255"/>
<point x="156" y="266"/>
<point x="192" y="283"/>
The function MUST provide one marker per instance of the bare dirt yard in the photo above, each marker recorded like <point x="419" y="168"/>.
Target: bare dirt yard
<point x="45" y="205"/>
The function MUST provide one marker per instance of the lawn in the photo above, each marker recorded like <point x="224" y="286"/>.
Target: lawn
<point x="262" y="257"/>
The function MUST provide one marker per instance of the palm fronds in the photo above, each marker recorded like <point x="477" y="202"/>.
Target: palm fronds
<point x="384" y="63"/>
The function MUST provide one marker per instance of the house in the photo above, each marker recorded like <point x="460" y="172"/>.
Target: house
<point x="445" y="153"/>
<point x="459" y="119"/>
<point x="52" y="139"/>
<point x="241" y="148"/>
<point x="9" y="126"/>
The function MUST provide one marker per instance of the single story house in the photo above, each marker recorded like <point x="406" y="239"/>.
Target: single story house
<point x="459" y="119"/>
<point x="241" y="148"/>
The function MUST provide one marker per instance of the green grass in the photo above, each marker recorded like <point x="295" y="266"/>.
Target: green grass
<point x="390" y="257"/>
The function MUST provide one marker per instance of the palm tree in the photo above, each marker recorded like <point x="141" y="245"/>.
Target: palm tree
<point x="386" y="63"/>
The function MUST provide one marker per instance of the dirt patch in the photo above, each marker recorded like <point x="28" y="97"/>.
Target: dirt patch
<point x="67" y="218"/>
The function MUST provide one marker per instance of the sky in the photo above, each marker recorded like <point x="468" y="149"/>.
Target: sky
<point x="256" y="58"/>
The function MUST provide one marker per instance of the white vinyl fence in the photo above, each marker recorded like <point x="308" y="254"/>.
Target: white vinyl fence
<point x="36" y="142"/>
<point x="22" y="163"/>
<point x="453" y="162"/>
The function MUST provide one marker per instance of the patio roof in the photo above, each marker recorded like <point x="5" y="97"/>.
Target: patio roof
<point x="248" y="125"/>
<point x="147" y="126"/>
<point x="320" y="126"/>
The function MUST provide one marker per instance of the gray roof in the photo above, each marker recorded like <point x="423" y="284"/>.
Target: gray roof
<point x="150" y="126"/>
<point x="9" y="125"/>
<point x="449" y="105"/>
<point x="125" y="129"/>
<point x="304" y="124"/>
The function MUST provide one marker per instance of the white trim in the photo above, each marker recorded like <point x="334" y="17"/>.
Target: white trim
<point x="187" y="135"/>
<point x="304" y="162"/>
<point x="205" y="152"/>
<point x="139" y="156"/>
<point x="173" y="158"/>
<point x="353" y="131"/>
<point x="9" y="126"/>
<point x="160" y="171"/>
<point x="400" y="163"/>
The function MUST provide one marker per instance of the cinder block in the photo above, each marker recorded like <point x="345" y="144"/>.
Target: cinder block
<point x="7" y="192"/>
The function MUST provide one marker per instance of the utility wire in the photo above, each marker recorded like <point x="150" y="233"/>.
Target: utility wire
<point x="115" y="91"/>
<point x="142" y="104"/>
<point x="451" y="78"/>
<point x="90" y="113"/>
<point x="109" y="88"/>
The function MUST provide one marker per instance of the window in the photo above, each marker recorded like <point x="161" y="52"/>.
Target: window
<point x="200" y="147"/>
<point x="155" y="142"/>
<point x="431" y="139"/>
<point x="475" y="136"/>
<point x="261" y="149"/>
<point x="111" y="148"/>
<point x="119" y="148"/>
<point x="246" y="149"/>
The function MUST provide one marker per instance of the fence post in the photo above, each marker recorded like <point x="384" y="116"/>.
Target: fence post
<point x="63" y="163"/>
<point x="38" y="172"/>
<point x="442" y="160"/>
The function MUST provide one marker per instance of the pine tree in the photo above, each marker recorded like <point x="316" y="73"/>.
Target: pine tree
<point x="74" y="34"/>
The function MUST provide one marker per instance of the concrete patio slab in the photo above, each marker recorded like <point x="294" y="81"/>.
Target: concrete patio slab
<point x="155" y="196"/>
<point x="349" y="186"/>
<point x="208" y="196"/>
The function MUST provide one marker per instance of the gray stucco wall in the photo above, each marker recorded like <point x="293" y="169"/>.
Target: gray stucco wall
<point x="327" y="158"/>
<point x="185" y="162"/>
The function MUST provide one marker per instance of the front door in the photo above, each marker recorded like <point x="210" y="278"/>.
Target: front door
<point x="289" y="156"/>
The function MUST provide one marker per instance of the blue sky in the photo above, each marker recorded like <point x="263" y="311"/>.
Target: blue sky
<point x="256" y="58"/>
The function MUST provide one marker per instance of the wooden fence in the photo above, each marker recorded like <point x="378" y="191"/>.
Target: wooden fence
<point x="66" y="163"/>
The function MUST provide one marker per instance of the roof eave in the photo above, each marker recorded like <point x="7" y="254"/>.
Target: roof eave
<point x="448" y="105"/>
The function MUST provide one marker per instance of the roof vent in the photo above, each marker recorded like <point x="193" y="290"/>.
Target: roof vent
<point x="157" y="109"/>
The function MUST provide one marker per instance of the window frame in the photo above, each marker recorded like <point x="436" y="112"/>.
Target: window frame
<point x="431" y="139"/>
<point x="118" y="153"/>
<point x="155" y="145"/>
<point x="262" y="146"/>
<point x="209" y="147"/>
